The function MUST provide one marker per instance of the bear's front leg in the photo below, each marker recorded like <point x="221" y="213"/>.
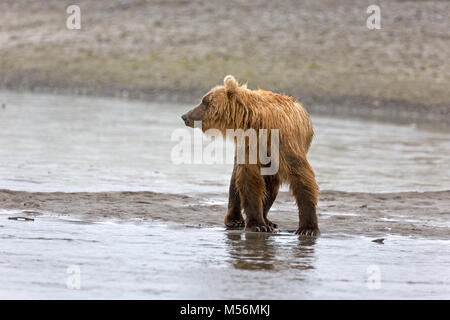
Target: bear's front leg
<point x="250" y="185"/>
<point x="234" y="218"/>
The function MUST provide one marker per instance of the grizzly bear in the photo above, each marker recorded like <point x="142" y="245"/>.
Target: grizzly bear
<point x="232" y="106"/>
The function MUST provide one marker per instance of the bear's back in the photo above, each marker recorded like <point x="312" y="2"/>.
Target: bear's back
<point x="287" y="114"/>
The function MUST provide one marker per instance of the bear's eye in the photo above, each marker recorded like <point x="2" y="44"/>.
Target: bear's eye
<point x="205" y="101"/>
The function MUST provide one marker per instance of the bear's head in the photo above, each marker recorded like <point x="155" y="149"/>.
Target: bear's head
<point x="217" y="107"/>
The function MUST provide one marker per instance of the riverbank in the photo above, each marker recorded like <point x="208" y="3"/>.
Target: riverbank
<point x="174" y="51"/>
<point x="411" y="214"/>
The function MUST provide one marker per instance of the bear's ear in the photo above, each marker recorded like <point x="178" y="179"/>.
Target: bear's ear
<point x="230" y="84"/>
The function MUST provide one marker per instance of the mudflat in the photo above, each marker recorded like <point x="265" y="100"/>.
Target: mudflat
<point x="414" y="214"/>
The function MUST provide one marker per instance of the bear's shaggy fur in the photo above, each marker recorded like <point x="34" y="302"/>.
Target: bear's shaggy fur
<point x="235" y="107"/>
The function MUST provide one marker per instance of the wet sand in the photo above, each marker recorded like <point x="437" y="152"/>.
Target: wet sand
<point x="412" y="214"/>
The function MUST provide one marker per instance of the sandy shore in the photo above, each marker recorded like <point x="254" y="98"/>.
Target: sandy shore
<point x="319" y="51"/>
<point x="407" y="213"/>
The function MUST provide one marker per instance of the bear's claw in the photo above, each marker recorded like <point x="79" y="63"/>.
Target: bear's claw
<point x="271" y="224"/>
<point x="309" y="232"/>
<point x="232" y="224"/>
<point x="260" y="228"/>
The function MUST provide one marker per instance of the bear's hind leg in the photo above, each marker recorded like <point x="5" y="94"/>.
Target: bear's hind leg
<point x="305" y="190"/>
<point x="234" y="218"/>
<point x="272" y="184"/>
<point x="250" y="185"/>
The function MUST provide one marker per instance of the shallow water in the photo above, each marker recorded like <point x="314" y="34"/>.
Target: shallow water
<point x="65" y="143"/>
<point x="140" y="259"/>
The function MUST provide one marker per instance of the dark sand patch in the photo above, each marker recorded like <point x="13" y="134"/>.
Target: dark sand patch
<point x="416" y="214"/>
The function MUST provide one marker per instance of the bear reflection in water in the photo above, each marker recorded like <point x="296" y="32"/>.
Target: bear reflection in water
<point x="266" y="251"/>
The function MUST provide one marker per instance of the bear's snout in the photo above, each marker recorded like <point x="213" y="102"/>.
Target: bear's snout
<point x="195" y="114"/>
<point x="187" y="121"/>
